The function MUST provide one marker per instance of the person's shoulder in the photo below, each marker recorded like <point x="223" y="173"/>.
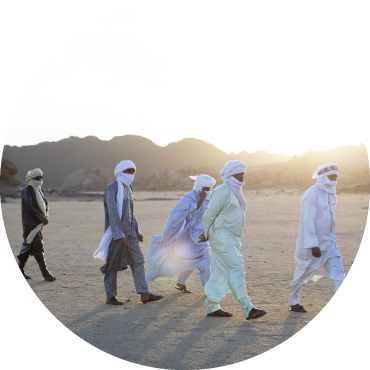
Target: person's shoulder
<point x="111" y="186"/>
<point x="192" y="194"/>
<point x="223" y="188"/>
<point x="310" y="193"/>
<point x="26" y="190"/>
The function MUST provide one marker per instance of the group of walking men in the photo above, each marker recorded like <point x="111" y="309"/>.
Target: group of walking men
<point x="202" y="220"/>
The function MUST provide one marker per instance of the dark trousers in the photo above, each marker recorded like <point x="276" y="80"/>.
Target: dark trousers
<point x="39" y="255"/>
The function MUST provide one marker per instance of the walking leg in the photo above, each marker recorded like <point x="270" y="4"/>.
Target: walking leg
<point x="183" y="277"/>
<point x="22" y="259"/>
<point x="40" y="259"/>
<point x="204" y="274"/>
<point x="138" y="273"/>
<point x="110" y="284"/>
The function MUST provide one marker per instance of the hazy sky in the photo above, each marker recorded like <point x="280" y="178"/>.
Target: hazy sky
<point x="242" y="77"/>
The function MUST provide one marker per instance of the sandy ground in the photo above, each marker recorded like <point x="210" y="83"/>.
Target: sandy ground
<point x="175" y="332"/>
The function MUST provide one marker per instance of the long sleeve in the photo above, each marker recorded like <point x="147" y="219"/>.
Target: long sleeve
<point x="33" y="211"/>
<point x="114" y="220"/>
<point x="308" y="218"/>
<point x="216" y="204"/>
<point x="193" y="211"/>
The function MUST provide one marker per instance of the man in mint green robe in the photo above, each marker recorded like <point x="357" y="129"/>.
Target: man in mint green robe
<point x="223" y="225"/>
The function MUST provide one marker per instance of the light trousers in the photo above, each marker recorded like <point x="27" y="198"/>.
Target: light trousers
<point x="204" y="274"/>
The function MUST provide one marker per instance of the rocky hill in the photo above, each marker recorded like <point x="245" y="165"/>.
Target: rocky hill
<point x="60" y="159"/>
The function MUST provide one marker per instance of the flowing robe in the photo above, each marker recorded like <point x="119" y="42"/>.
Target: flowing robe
<point x="317" y="229"/>
<point x="126" y="227"/>
<point x="32" y="216"/>
<point x="223" y="225"/>
<point x="178" y="250"/>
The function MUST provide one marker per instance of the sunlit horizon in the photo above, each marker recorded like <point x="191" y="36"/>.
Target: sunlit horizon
<point x="234" y="83"/>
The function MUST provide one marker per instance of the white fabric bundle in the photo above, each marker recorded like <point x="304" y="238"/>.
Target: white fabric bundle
<point x="322" y="180"/>
<point x="122" y="193"/>
<point x="203" y="181"/>
<point x="36" y="185"/>
<point x="232" y="168"/>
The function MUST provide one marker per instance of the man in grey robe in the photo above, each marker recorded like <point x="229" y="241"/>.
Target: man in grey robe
<point x="120" y="244"/>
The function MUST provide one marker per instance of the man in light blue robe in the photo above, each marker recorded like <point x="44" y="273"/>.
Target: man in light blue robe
<point x="178" y="250"/>
<point x="223" y="226"/>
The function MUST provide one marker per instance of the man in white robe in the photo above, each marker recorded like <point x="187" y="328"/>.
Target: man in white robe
<point x="223" y="226"/>
<point x="317" y="253"/>
<point x="178" y="250"/>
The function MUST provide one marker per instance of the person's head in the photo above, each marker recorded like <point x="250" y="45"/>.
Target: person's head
<point x="203" y="182"/>
<point x="131" y="171"/>
<point x="239" y="176"/>
<point x="34" y="175"/>
<point x="233" y="169"/>
<point x="327" y="171"/>
<point x="126" y="167"/>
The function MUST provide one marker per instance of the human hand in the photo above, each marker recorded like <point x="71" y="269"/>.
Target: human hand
<point x="45" y="221"/>
<point x="122" y="241"/>
<point x="203" y="194"/>
<point x="202" y="238"/>
<point x="140" y="238"/>
<point x="316" y="252"/>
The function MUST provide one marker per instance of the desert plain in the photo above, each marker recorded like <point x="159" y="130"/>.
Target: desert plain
<point x="175" y="333"/>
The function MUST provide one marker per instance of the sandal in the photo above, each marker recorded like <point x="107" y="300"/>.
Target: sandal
<point x="219" y="313"/>
<point x="256" y="314"/>
<point x="153" y="298"/>
<point x="182" y="288"/>
<point x="297" y="308"/>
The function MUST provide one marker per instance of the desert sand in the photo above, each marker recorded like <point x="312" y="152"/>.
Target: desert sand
<point x="175" y="332"/>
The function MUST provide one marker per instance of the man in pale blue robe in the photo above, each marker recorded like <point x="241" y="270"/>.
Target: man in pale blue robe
<point x="178" y="250"/>
<point x="317" y="254"/>
<point x="223" y="225"/>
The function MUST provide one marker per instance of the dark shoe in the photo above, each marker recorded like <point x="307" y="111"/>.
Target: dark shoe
<point x="219" y="313"/>
<point x="26" y="276"/>
<point x="153" y="298"/>
<point x="50" y="278"/>
<point x="114" y="301"/>
<point x="255" y="313"/>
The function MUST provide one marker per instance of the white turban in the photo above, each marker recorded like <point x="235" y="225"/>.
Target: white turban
<point x="323" y="181"/>
<point x="325" y="169"/>
<point x="203" y="181"/>
<point x="122" y="166"/>
<point x="232" y="168"/>
<point x="33" y="173"/>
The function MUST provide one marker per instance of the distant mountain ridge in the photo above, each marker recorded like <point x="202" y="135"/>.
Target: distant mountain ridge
<point x="61" y="158"/>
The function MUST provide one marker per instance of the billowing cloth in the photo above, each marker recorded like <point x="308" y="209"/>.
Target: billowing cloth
<point x="203" y="181"/>
<point x="232" y="168"/>
<point x="33" y="173"/>
<point x="316" y="229"/>
<point x="323" y="181"/>
<point x="36" y="186"/>
<point x="223" y="225"/>
<point x="178" y="250"/>
<point x="124" y="192"/>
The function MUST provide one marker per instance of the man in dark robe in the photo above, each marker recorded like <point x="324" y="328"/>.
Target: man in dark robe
<point x="35" y="213"/>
